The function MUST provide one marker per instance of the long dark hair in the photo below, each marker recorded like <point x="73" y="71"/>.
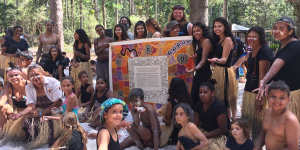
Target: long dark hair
<point x="124" y="32"/>
<point x="205" y="33"/>
<point x="128" y="20"/>
<point x="178" y="90"/>
<point x="59" y="55"/>
<point x="83" y="38"/>
<point x="140" y="23"/>
<point x="261" y="33"/>
<point x="227" y="30"/>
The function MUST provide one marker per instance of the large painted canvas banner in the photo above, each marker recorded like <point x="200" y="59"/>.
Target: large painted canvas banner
<point x="132" y="62"/>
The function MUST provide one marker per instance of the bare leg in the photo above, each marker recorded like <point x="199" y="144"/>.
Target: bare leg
<point x="135" y="138"/>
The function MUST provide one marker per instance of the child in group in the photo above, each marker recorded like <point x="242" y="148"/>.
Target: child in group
<point x="102" y="93"/>
<point x="70" y="103"/>
<point x="112" y="112"/>
<point x="240" y="138"/>
<point x="86" y="90"/>
<point x="73" y="136"/>
<point x="189" y="136"/>
<point x="281" y="129"/>
<point x="145" y="129"/>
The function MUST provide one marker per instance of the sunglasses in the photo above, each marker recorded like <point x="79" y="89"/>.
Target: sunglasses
<point x="180" y="7"/>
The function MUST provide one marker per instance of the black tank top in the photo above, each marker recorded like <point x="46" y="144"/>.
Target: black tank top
<point x="102" y="98"/>
<point x="218" y="51"/>
<point x="205" y="69"/>
<point x="183" y="29"/>
<point x="112" y="145"/>
<point x="81" y="50"/>
<point x="85" y="96"/>
<point x="18" y="103"/>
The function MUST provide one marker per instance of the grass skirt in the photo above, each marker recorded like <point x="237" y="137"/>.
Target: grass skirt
<point x="12" y="130"/>
<point x="83" y="66"/>
<point x="217" y="143"/>
<point x="44" y="131"/>
<point x="294" y="104"/>
<point x="219" y="76"/>
<point x="250" y="113"/>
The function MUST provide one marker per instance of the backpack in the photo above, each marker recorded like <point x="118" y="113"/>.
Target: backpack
<point x="238" y="50"/>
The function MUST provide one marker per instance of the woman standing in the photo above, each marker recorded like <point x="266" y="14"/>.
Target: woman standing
<point x="285" y="66"/>
<point x="81" y="49"/>
<point x="222" y="73"/>
<point x="10" y="47"/>
<point x="120" y="33"/>
<point x="202" y="49"/>
<point x="101" y="46"/>
<point x="140" y="30"/>
<point x="258" y="62"/>
<point x="179" y="16"/>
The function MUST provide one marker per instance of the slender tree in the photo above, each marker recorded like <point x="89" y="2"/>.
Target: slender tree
<point x="97" y="11"/>
<point x="56" y="14"/>
<point x="104" y="13"/>
<point x="225" y="12"/>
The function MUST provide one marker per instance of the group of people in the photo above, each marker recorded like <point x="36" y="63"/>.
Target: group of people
<point x="40" y="104"/>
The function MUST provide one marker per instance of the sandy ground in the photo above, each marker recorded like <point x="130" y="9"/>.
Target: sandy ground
<point x="91" y="145"/>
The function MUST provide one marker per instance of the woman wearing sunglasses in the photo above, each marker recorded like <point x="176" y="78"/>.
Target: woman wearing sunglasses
<point x="179" y="15"/>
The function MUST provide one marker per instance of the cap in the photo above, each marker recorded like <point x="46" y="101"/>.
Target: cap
<point x="171" y="25"/>
<point x="287" y="20"/>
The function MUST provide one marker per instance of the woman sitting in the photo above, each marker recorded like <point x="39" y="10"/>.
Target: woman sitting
<point x="12" y="101"/>
<point x="54" y="63"/>
<point x="213" y="117"/>
<point x="43" y="95"/>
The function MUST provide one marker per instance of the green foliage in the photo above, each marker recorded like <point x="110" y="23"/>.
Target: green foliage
<point x="9" y="18"/>
<point x="31" y="14"/>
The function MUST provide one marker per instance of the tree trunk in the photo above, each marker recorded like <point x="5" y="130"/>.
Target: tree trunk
<point x="96" y="5"/>
<point x="297" y="15"/>
<point x="130" y="7"/>
<point x="156" y="7"/>
<point x="72" y="13"/>
<point x="117" y="11"/>
<point x="104" y="13"/>
<point x="225" y="13"/>
<point x="56" y="14"/>
<point x="199" y="11"/>
<point x="17" y="4"/>
<point x="80" y="13"/>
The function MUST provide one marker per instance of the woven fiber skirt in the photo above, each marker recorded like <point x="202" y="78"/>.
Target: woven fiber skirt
<point x="252" y="114"/>
<point x="232" y="87"/>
